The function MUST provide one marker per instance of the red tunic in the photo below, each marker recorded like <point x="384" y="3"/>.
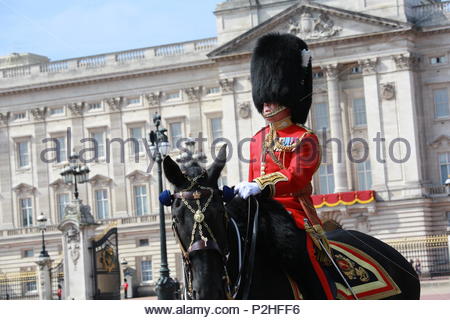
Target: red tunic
<point x="299" y="167"/>
<point x="290" y="179"/>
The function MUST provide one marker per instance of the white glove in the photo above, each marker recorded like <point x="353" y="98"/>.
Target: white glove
<point x="246" y="189"/>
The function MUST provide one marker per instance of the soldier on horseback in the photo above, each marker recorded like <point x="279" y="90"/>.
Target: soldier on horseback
<point x="285" y="154"/>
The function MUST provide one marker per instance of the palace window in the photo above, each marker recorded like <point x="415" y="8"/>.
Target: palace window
<point x="26" y="211"/>
<point x="364" y="174"/>
<point x="134" y="100"/>
<point x="56" y="111"/>
<point x="19" y="116"/>
<point x="214" y="90"/>
<point x="136" y="143"/>
<point x="216" y="128"/>
<point x="318" y="75"/>
<point x="175" y="132"/>
<point x="444" y="166"/>
<point x="101" y="204"/>
<point x="141" y="200"/>
<point x="146" y="271"/>
<point x="143" y="243"/>
<point x="62" y="200"/>
<point x="359" y="112"/>
<point x="61" y="149"/>
<point x="173" y="95"/>
<point x="28" y="253"/>
<point x="321" y="116"/>
<point x="94" y="106"/>
<point x="326" y="178"/>
<point x="23" y="154"/>
<point x="438" y="60"/>
<point x="441" y="108"/>
<point x="99" y="137"/>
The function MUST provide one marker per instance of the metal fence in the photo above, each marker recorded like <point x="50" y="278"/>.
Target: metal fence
<point x="19" y="286"/>
<point x="57" y="277"/>
<point x="429" y="255"/>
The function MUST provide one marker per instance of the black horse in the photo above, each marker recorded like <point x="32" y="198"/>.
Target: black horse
<point x="209" y="240"/>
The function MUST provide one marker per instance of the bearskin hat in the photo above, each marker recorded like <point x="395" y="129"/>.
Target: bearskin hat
<point x="279" y="75"/>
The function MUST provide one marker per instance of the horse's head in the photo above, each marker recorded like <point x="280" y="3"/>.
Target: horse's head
<point x="200" y="223"/>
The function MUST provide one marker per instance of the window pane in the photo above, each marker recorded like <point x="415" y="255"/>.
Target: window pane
<point x="136" y="134"/>
<point x="61" y="154"/>
<point x="101" y="204"/>
<point x="441" y="103"/>
<point x="99" y="137"/>
<point x="321" y="116"/>
<point x="175" y="133"/>
<point x="62" y="201"/>
<point x="140" y="195"/>
<point x="146" y="267"/>
<point x="26" y="211"/>
<point x="326" y="178"/>
<point x="216" y="128"/>
<point x="359" y="112"/>
<point x="444" y="161"/>
<point x="24" y="157"/>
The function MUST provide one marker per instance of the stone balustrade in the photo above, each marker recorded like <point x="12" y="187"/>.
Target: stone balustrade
<point x="152" y="219"/>
<point x="428" y="11"/>
<point x="152" y="55"/>
<point x="436" y="190"/>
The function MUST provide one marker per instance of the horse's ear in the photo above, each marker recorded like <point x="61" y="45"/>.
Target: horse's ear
<point x="173" y="172"/>
<point x="216" y="167"/>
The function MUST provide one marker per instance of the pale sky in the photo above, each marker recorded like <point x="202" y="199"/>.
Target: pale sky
<point x="62" y="29"/>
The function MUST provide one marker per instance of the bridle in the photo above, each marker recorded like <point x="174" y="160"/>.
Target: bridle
<point x="197" y="192"/>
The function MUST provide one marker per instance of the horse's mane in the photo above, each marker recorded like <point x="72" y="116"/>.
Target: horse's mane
<point x="277" y="231"/>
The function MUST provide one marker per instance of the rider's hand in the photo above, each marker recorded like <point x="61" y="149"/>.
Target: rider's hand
<point x="246" y="189"/>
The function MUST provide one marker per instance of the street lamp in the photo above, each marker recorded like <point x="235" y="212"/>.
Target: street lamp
<point x="42" y="225"/>
<point x="75" y="173"/>
<point x="165" y="287"/>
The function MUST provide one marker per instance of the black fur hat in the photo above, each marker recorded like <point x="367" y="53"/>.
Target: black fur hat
<point x="279" y="75"/>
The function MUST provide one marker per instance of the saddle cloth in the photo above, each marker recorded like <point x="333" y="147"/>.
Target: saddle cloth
<point x="368" y="279"/>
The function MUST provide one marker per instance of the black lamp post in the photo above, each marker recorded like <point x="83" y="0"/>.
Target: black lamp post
<point x="75" y="173"/>
<point x="165" y="287"/>
<point x="42" y="225"/>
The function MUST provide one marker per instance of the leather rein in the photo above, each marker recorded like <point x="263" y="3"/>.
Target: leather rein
<point x="246" y="258"/>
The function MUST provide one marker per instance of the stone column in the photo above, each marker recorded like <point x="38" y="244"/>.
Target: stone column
<point x="44" y="278"/>
<point x="230" y="130"/>
<point x="41" y="167"/>
<point x="336" y="129"/>
<point x="375" y="129"/>
<point x="78" y="228"/>
<point x="7" y="216"/>
<point x="118" y="169"/>
<point x="407" y="127"/>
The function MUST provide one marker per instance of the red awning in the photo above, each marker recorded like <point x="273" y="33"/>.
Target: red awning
<point x="345" y="198"/>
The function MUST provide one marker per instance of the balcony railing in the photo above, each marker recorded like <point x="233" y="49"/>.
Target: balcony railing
<point x="152" y="218"/>
<point x="111" y="59"/>
<point x="430" y="10"/>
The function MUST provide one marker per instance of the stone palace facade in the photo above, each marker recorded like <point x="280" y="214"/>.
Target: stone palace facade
<point x="382" y="87"/>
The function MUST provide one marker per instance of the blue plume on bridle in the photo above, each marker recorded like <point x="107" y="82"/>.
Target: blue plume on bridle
<point x="166" y="197"/>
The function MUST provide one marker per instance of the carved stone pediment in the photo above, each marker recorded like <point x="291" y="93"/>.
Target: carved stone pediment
<point x="442" y="140"/>
<point x="138" y="176"/>
<point x="315" y="23"/>
<point x="100" y="181"/>
<point x="24" y="189"/>
<point x="154" y="98"/>
<point x="39" y="113"/>
<point x="313" y="26"/>
<point x="60" y="185"/>
<point x="369" y="66"/>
